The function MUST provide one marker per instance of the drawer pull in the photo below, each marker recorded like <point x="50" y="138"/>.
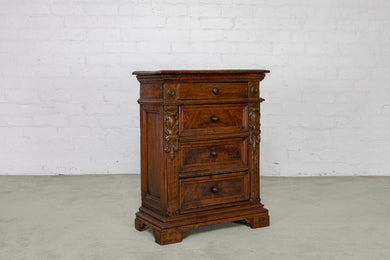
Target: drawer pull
<point x="214" y="118"/>
<point x="214" y="189"/>
<point x="215" y="91"/>
<point x="213" y="153"/>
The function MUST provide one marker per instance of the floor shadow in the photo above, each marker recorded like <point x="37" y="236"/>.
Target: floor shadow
<point x="205" y="229"/>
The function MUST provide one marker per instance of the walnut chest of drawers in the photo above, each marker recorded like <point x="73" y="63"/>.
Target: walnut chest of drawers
<point x="200" y="135"/>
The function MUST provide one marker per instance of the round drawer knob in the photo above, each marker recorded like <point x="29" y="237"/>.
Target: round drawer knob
<point x="213" y="153"/>
<point x="214" y="189"/>
<point x="215" y="91"/>
<point x="214" y="118"/>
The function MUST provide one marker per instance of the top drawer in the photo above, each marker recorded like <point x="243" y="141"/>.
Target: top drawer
<point x="211" y="90"/>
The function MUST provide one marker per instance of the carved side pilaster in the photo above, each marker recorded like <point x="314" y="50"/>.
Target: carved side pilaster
<point x="254" y="140"/>
<point x="254" y="124"/>
<point x="171" y="129"/>
<point x="171" y="147"/>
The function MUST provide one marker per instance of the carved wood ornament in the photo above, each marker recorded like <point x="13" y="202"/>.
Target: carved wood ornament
<point x="254" y="124"/>
<point x="171" y="129"/>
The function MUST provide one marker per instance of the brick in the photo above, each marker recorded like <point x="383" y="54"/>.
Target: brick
<point x="352" y="73"/>
<point x="216" y="23"/>
<point x="145" y="34"/>
<point x="148" y="21"/>
<point x="50" y="120"/>
<point x="308" y="37"/>
<point x="52" y="70"/>
<point x="103" y="59"/>
<point x="204" y="10"/>
<point x="182" y="22"/>
<point x="292" y="48"/>
<point x="119" y="47"/>
<point x="238" y="60"/>
<point x="101" y="9"/>
<point x="173" y="10"/>
<point x="83" y="121"/>
<point x="81" y="21"/>
<point x="67" y="9"/>
<point x="148" y="46"/>
<point x="55" y="95"/>
<point x="22" y="95"/>
<point x="207" y="35"/>
<point x="111" y="21"/>
<point x="237" y="11"/>
<point x="65" y="34"/>
<point x="87" y="70"/>
<point x="239" y="35"/>
<point x="368" y="84"/>
<point x="104" y="34"/>
<point x="25" y="7"/>
<point x="45" y="21"/>
<point x="138" y="9"/>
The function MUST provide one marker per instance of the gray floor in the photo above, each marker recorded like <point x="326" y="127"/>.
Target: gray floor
<point x="91" y="217"/>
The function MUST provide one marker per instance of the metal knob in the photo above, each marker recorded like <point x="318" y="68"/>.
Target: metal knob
<point x="214" y="189"/>
<point x="213" y="153"/>
<point x="215" y="91"/>
<point x="214" y="118"/>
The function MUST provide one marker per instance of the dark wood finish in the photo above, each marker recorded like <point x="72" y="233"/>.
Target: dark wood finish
<point x="213" y="190"/>
<point x="212" y="154"/>
<point x="216" y="90"/>
<point x="200" y="135"/>
<point x="213" y="119"/>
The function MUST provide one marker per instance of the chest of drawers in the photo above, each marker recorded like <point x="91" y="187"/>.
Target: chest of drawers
<point x="200" y="135"/>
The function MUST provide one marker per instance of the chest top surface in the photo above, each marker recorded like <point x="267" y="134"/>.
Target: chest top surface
<point x="192" y="72"/>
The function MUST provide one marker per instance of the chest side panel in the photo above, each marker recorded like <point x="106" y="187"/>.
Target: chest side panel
<point x="152" y="163"/>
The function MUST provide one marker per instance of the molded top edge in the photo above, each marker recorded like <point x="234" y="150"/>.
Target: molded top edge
<point x="184" y="72"/>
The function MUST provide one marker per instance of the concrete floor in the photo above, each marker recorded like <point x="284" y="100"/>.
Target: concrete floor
<point x="91" y="217"/>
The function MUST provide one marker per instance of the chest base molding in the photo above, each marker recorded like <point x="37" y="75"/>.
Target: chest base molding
<point x="169" y="230"/>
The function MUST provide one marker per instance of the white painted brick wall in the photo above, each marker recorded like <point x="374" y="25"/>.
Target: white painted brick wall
<point x="68" y="102"/>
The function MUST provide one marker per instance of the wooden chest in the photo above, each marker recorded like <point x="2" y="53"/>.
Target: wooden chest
<point x="200" y="135"/>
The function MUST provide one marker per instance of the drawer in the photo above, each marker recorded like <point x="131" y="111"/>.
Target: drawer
<point x="213" y="119"/>
<point x="212" y="155"/>
<point x="213" y="190"/>
<point x="213" y="90"/>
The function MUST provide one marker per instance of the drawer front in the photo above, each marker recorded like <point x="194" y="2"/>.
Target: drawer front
<point x="213" y="119"/>
<point x="213" y="190"/>
<point x="211" y="155"/>
<point x="213" y="90"/>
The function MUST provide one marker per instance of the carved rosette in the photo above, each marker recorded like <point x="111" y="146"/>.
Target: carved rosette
<point x="253" y="88"/>
<point x="170" y="93"/>
<point x="254" y="124"/>
<point x="171" y="129"/>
